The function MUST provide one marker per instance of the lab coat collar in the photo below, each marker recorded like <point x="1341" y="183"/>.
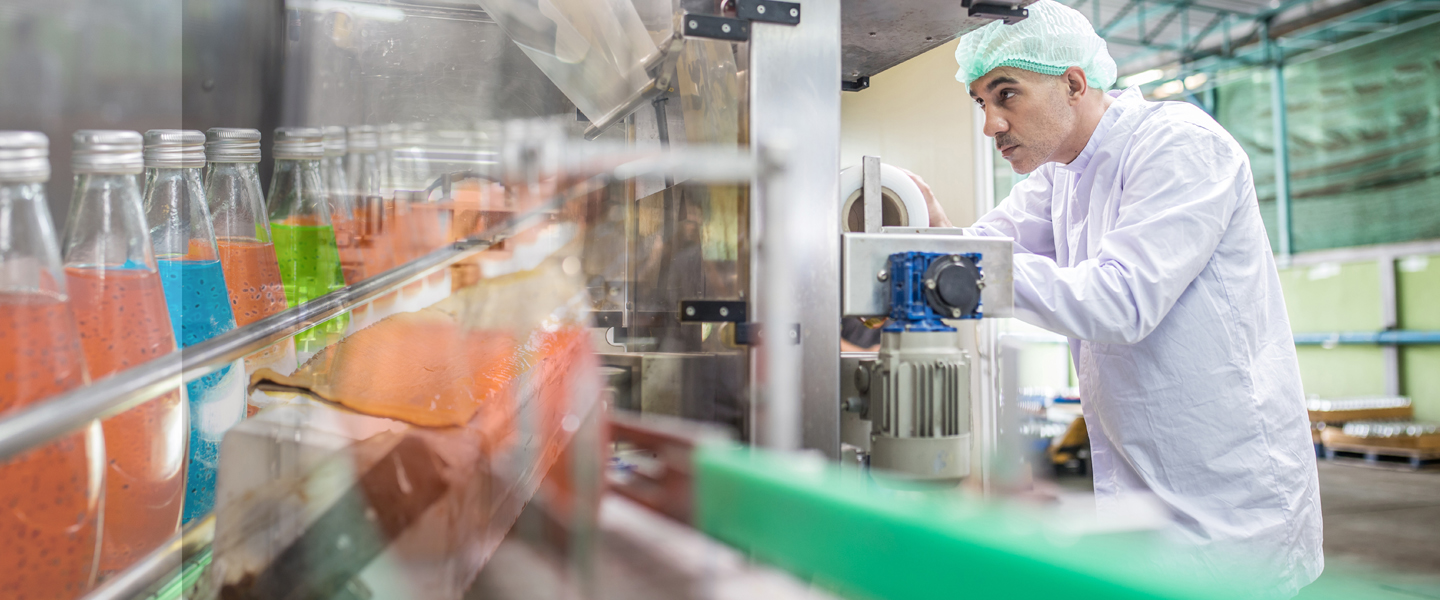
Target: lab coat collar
<point x="1097" y="137"/>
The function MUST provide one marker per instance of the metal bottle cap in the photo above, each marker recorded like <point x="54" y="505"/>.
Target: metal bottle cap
<point x="334" y="141"/>
<point x="232" y="145"/>
<point x="362" y="138"/>
<point x="107" y="151"/>
<point x="174" y="149"/>
<point x="24" y="156"/>
<point x="299" y="143"/>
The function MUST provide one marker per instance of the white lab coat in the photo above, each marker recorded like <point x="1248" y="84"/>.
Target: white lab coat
<point x="1148" y="252"/>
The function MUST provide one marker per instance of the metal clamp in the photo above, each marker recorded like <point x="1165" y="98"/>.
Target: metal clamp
<point x="769" y="11"/>
<point x="1009" y="13"/>
<point x="752" y="334"/>
<point x="713" y="311"/>
<point x="717" y="28"/>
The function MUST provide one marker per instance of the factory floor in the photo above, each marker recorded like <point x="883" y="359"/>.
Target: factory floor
<point x="1382" y="533"/>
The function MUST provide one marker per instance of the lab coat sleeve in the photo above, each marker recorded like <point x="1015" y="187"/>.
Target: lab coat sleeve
<point x="1179" y="186"/>
<point x="1023" y="216"/>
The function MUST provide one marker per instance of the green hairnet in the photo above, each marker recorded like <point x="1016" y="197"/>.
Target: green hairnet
<point x="1055" y="37"/>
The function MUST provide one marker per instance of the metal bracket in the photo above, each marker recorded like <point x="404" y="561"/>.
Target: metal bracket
<point x="716" y="28"/>
<point x="607" y="318"/>
<point x="860" y="83"/>
<point x="713" y="311"/>
<point x="769" y="11"/>
<point x="1009" y="13"/>
<point x="750" y="334"/>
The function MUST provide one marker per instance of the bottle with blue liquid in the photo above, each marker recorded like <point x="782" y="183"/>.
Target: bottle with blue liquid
<point x="195" y="292"/>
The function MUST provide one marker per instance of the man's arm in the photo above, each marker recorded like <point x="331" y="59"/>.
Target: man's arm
<point x="1181" y="184"/>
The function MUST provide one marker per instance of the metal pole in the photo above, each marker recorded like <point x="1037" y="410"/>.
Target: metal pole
<point x="1282" y="146"/>
<point x="794" y="93"/>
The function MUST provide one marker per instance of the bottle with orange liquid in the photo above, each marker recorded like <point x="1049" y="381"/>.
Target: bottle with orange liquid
<point x="195" y="292"/>
<point x="303" y="231"/>
<point x="120" y="312"/>
<point x="242" y="234"/>
<point x="49" y="496"/>
<point x="362" y="173"/>
<point x="342" y="205"/>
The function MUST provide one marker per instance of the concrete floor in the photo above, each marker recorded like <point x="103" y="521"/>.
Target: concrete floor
<point x="1382" y="533"/>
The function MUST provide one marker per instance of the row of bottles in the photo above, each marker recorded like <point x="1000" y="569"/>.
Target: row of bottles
<point x="193" y="253"/>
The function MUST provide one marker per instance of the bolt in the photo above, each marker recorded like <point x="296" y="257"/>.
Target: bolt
<point x="955" y="312"/>
<point x="694" y="25"/>
<point x="760" y="9"/>
<point x="725" y="28"/>
<point x="792" y="334"/>
<point x="955" y="259"/>
<point x="794" y="12"/>
<point x="883" y="275"/>
<point x="724" y="312"/>
<point x="930" y="283"/>
<point x="689" y="311"/>
<point x="980" y="283"/>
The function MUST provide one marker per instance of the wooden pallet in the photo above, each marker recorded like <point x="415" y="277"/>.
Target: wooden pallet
<point x="1336" y="417"/>
<point x="1378" y="455"/>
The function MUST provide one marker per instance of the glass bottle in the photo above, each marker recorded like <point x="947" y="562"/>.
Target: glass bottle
<point x="196" y="295"/>
<point x="50" y="500"/>
<point x="362" y="172"/>
<point x="120" y="311"/>
<point x="303" y="232"/>
<point x="342" y="205"/>
<point x="242" y="234"/>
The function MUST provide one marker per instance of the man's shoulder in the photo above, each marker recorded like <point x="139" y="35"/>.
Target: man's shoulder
<point x="1180" y="119"/>
<point x="1182" y="125"/>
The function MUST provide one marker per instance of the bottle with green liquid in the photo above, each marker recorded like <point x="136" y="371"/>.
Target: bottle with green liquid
<point x="303" y="231"/>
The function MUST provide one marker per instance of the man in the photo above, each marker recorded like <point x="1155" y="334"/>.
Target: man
<point x="1138" y="236"/>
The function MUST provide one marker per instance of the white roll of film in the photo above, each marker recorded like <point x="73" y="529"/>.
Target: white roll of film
<point x="901" y="204"/>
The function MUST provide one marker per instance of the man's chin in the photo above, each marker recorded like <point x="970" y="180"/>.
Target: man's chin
<point x="1022" y="166"/>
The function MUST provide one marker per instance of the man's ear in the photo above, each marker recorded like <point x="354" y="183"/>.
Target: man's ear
<point x="1075" y="83"/>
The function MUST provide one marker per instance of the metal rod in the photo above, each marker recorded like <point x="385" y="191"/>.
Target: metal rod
<point x="1400" y="337"/>
<point x="1282" y="153"/>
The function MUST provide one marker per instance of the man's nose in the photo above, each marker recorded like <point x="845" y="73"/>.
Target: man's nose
<point x="994" y="123"/>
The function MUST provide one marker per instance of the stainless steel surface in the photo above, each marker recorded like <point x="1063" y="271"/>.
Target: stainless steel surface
<point x="865" y="256"/>
<point x="74" y="64"/>
<point x="879" y="34"/>
<point x="794" y="90"/>
<point x="447" y="65"/>
<point x="663" y="383"/>
<point x="870" y="193"/>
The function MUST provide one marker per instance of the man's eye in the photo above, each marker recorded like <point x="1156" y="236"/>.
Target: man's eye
<point x="1007" y="94"/>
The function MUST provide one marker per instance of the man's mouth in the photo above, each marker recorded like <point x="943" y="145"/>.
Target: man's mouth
<point x="1006" y="151"/>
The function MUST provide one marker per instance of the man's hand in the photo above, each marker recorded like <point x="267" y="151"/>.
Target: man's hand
<point x="937" y="214"/>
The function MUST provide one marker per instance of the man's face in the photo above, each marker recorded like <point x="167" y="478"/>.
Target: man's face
<point x="1027" y="113"/>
